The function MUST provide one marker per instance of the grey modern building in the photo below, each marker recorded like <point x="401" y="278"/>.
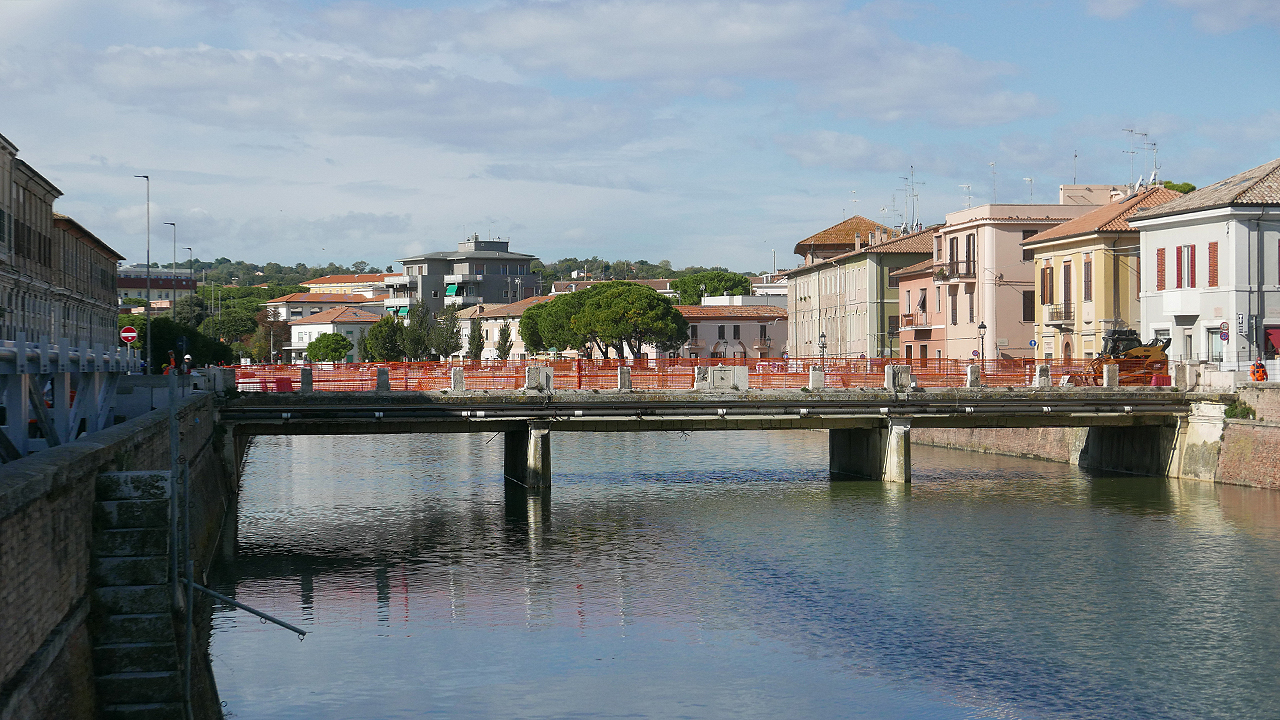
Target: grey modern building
<point x="480" y="271"/>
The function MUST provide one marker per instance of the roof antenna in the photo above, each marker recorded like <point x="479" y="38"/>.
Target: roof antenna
<point x="968" y="196"/>
<point x="993" y="182"/>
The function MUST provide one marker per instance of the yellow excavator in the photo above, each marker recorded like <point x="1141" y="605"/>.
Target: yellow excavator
<point x="1139" y="362"/>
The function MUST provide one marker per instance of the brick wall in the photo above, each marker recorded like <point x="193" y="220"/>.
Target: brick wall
<point x="1264" y="398"/>
<point x="46" y="522"/>
<point x="1250" y="454"/>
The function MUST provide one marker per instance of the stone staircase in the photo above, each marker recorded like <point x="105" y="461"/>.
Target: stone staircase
<point x="135" y="651"/>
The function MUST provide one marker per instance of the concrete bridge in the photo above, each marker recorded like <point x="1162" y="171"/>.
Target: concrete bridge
<point x="1134" y="430"/>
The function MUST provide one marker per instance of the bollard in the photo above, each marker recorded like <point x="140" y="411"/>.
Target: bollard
<point x="457" y="380"/>
<point x="304" y="379"/>
<point x="1111" y="375"/>
<point x="624" y="378"/>
<point x="897" y="378"/>
<point x="538" y="377"/>
<point x="817" y="378"/>
<point x="1042" y="379"/>
<point x="973" y="376"/>
<point x="384" y="380"/>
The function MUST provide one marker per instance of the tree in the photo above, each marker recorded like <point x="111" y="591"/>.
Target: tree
<point x="550" y="325"/>
<point x="231" y="326"/>
<point x="416" y="339"/>
<point x="475" y="340"/>
<point x="446" y="336"/>
<point x="270" y="337"/>
<point x="504" y="341"/>
<point x="168" y="335"/>
<point x="630" y="315"/>
<point x="692" y="288"/>
<point x="383" y="341"/>
<point x="190" y="310"/>
<point x="359" y="266"/>
<point x="1183" y="188"/>
<point x="329" y="347"/>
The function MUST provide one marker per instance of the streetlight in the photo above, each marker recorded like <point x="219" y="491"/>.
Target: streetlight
<point x="148" y="305"/>
<point x="982" y="334"/>
<point x="191" y="268"/>
<point x="173" y="305"/>
<point x="822" y="350"/>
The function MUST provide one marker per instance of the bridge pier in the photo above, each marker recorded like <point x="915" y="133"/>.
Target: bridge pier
<point x="527" y="455"/>
<point x="879" y="453"/>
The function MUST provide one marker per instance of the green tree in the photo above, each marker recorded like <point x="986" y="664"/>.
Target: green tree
<point x="446" y="336"/>
<point x="504" y="344"/>
<point x="416" y="339"/>
<point x="1183" y="188"/>
<point x="550" y="324"/>
<point x="169" y="336"/>
<point x="190" y="310"/>
<point x="630" y="315"/>
<point x="231" y="326"/>
<point x="475" y="340"/>
<point x="383" y="341"/>
<point x="269" y="339"/>
<point x="329" y="347"/>
<point x="692" y="288"/>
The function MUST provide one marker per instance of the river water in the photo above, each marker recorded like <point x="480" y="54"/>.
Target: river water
<point x="722" y="575"/>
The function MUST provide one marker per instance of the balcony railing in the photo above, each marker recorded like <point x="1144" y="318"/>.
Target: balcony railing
<point x="914" y="320"/>
<point x="955" y="269"/>
<point x="1060" y="314"/>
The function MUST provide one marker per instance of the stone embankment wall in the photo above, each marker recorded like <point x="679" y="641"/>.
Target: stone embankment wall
<point x="46" y="526"/>
<point x="1208" y="446"/>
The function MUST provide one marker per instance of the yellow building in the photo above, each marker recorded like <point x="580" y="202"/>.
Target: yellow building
<point x="1087" y="278"/>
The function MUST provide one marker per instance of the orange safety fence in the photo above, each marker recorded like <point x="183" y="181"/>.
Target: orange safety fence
<point x="679" y="373"/>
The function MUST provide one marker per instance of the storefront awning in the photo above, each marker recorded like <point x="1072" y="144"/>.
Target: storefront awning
<point x="1273" y="334"/>
<point x="402" y="311"/>
<point x="450" y="290"/>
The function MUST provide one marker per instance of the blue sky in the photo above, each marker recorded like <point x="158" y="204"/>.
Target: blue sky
<point x="697" y="132"/>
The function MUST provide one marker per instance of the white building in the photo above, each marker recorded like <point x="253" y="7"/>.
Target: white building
<point x="741" y="329"/>
<point x="1211" y="260"/>
<point x="346" y="321"/>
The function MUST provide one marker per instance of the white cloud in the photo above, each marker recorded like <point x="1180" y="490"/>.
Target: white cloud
<point x="842" y="151"/>
<point x="834" y="59"/>
<point x="1215" y="16"/>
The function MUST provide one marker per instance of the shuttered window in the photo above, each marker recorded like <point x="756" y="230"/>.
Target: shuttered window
<point x="1160" y="269"/>
<point x="1213" y="264"/>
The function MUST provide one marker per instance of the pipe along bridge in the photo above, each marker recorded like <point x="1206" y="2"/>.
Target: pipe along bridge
<point x="1128" y="429"/>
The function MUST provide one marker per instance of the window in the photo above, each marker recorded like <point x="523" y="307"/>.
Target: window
<point x="479" y="268"/>
<point x="1213" y="264"/>
<point x="938" y="299"/>
<point x="764" y="329"/>
<point x="970" y="253"/>
<point x="1160" y="269"/>
<point x="908" y="347"/>
<point x="908" y="299"/>
<point x="970" y="294"/>
<point x="435" y="293"/>
<point x="893" y="281"/>
<point x="693" y="332"/>
<point x="1087" y="278"/>
<point x="737" y="332"/>
<point x="1186" y="271"/>
<point x="894" y="325"/>
<point x="1066" y="283"/>
<point x="954" y="309"/>
<point x="720" y="332"/>
<point x="1046" y="285"/>
<point x="1027" y="253"/>
<point x="924" y="352"/>
<point x="1028" y="306"/>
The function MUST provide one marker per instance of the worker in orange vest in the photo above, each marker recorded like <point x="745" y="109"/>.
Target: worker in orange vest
<point x="1258" y="371"/>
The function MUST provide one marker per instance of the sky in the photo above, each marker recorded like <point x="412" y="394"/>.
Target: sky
<point x="701" y="132"/>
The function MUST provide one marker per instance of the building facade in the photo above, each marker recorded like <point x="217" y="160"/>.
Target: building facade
<point x="1210" y="265"/>
<point x="349" y="322"/>
<point x="480" y="272"/>
<point x="57" y="280"/>
<point x="167" y="285"/>
<point x="296" y="306"/>
<point x="367" y="284"/>
<point x="848" y="236"/>
<point x="850" y="301"/>
<point x="741" y="329"/>
<point x="1086" y="273"/>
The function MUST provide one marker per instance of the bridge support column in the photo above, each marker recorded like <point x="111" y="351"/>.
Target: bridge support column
<point x="882" y="453"/>
<point x="527" y="455"/>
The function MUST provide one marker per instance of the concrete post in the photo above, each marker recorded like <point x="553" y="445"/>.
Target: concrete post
<point x="538" y="454"/>
<point x="1042" y="379"/>
<point x="1111" y="375"/>
<point x="304" y="380"/>
<point x="457" y="380"/>
<point x="538" y="377"/>
<point x="973" y="376"/>
<point x="384" y="380"/>
<point x="897" y="378"/>
<point x="817" y="378"/>
<point x="624" y="377"/>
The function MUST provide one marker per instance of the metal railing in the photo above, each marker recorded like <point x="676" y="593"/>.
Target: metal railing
<point x="658" y="374"/>
<point x="1063" y="313"/>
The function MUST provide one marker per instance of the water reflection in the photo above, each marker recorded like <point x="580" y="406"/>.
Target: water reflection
<point x="722" y="574"/>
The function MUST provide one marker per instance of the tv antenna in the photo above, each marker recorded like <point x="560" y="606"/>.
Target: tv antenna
<point x="1134" y="134"/>
<point x="993" y="182"/>
<point x="1032" y="183"/>
<point x="968" y="196"/>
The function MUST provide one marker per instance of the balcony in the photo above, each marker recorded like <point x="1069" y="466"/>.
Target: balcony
<point x="955" y="269"/>
<point x="463" y="300"/>
<point x="455" y="279"/>
<point x="914" y="320"/>
<point x="695" y="344"/>
<point x="762" y="344"/>
<point x="1063" y="315"/>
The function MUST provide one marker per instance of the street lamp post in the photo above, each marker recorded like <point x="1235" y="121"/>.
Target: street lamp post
<point x="822" y="350"/>
<point x="173" y="303"/>
<point x="147" y="307"/>
<point x="982" y="340"/>
<point x="191" y="268"/>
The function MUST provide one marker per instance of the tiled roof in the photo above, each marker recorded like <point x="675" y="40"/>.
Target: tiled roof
<point x="924" y="266"/>
<point x="920" y="241"/>
<point x="562" y="286"/>
<point x="1258" y="186"/>
<point x="338" y="315"/>
<point x="314" y="297"/>
<point x="703" y="312"/>
<point x="1109" y="218"/>
<point x="845" y="234"/>
<point x="515" y="309"/>
<point x="349" y="279"/>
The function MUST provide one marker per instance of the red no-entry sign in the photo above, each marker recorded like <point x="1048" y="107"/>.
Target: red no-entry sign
<point x="128" y="334"/>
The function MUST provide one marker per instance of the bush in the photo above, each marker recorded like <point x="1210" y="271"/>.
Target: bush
<point x="1241" y="410"/>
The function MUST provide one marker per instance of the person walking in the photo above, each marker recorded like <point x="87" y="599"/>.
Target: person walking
<point x="1258" y="371"/>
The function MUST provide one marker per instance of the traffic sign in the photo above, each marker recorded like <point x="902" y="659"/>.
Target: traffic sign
<point x="1224" y="335"/>
<point x="975" y="353"/>
<point x="128" y="334"/>
<point x="1033" y="343"/>
<point x="1224" y="327"/>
